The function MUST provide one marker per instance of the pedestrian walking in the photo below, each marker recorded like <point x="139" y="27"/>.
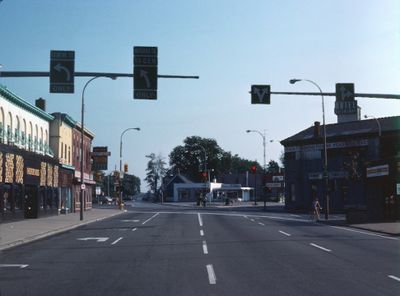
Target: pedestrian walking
<point x="316" y="209"/>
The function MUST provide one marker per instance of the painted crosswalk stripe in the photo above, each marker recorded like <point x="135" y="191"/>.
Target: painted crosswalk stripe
<point x="211" y="274"/>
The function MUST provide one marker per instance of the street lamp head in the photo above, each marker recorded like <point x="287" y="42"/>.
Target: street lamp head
<point x="293" y="81"/>
<point x="248" y="131"/>
<point x="137" y="128"/>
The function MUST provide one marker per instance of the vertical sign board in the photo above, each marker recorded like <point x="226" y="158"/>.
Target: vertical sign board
<point x="62" y="71"/>
<point x="261" y="94"/>
<point x="100" y="158"/>
<point x="145" y="72"/>
<point x="345" y="103"/>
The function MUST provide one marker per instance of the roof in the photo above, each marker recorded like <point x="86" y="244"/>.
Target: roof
<point x="16" y="100"/>
<point x="182" y="178"/>
<point x="365" y="127"/>
<point x="65" y="118"/>
<point x="88" y="132"/>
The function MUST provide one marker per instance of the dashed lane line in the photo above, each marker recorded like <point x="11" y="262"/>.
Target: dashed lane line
<point x="211" y="274"/>
<point x="394" y="278"/>
<point x="201" y="232"/>
<point x="14" y="265"/>
<point x="116" y="241"/>
<point x="260" y="223"/>
<point x="205" y="249"/>
<point x="321" y="248"/>
<point x="200" y="219"/>
<point x="152" y="217"/>
<point x="284" y="233"/>
<point x="134" y="229"/>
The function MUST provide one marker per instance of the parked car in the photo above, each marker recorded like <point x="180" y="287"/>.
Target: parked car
<point x="105" y="200"/>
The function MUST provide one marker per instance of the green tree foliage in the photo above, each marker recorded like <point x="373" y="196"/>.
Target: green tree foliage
<point x="155" y="171"/>
<point x="189" y="159"/>
<point x="272" y="167"/>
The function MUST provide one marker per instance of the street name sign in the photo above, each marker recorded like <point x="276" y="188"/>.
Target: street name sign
<point x="145" y="72"/>
<point x="62" y="71"/>
<point x="261" y="94"/>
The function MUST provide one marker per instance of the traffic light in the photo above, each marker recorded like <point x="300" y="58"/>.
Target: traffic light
<point x="254" y="168"/>
<point x="125" y="168"/>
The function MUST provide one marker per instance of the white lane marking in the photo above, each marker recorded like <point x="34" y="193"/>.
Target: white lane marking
<point x="205" y="249"/>
<point x="252" y="220"/>
<point x="364" y="232"/>
<point x="134" y="229"/>
<point x="261" y="223"/>
<point x="14" y="265"/>
<point x="98" y="239"/>
<point x="130" y="221"/>
<point x="294" y="215"/>
<point x="202" y="232"/>
<point x="200" y="219"/>
<point x="211" y="274"/>
<point x="285" y="233"/>
<point x="246" y="217"/>
<point x="394" y="278"/>
<point x="152" y="217"/>
<point x="116" y="241"/>
<point x="319" y="247"/>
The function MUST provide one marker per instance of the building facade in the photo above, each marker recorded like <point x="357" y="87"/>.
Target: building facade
<point x="28" y="171"/>
<point x="61" y="129"/>
<point x="87" y="169"/>
<point x="363" y="170"/>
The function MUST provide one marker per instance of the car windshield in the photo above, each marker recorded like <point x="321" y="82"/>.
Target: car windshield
<point x="187" y="147"/>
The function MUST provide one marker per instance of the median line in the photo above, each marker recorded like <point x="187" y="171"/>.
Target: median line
<point x="201" y="232"/>
<point x="211" y="274"/>
<point x="321" y="248"/>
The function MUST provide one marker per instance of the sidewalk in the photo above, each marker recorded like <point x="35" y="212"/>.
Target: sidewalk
<point x="19" y="232"/>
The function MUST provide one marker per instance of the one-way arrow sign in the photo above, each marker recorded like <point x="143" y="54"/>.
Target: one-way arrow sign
<point x="62" y="71"/>
<point x="260" y="94"/>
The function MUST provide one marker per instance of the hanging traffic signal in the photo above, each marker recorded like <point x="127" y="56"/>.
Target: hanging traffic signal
<point x="254" y="168"/>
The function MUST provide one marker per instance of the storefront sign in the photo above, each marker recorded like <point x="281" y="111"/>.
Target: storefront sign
<point x="33" y="172"/>
<point x="378" y="171"/>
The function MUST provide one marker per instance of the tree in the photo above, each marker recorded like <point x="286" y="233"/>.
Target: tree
<point x="272" y="167"/>
<point x="189" y="159"/>
<point x="196" y="154"/>
<point x="155" y="171"/>
<point x="130" y="185"/>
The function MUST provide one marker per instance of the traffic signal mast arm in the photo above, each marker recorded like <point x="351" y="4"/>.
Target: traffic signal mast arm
<point x="16" y="74"/>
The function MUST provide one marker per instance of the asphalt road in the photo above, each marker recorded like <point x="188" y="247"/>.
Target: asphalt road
<point x="158" y="250"/>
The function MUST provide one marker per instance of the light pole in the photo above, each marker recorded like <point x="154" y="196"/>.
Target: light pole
<point x="264" y="143"/>
<point x="82" y="133"/>
<point x="120" y="162"/>
<point x="377" y="121"/>
<point x="205" y="164"/>
<point x="325" y="169"/>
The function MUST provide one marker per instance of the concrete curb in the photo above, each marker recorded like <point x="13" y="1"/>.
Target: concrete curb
<point x="53" y="232"/>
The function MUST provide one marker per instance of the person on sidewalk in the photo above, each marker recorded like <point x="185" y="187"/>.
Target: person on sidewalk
<point x="316" y="209"/>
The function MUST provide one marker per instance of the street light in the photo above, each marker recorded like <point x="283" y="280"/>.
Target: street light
<point x="82" y="133"/>
<point x="377" y="121"/>
<point x="264" y="142"/>
<point x="325" y="173"/>
<point x="120" y="162"/>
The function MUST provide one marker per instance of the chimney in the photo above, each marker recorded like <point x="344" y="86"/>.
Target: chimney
<point x="41" y="104"/>
<point x="317" y="129"/>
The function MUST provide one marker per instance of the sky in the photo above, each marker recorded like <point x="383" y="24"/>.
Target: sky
<point x="230" y="45"/>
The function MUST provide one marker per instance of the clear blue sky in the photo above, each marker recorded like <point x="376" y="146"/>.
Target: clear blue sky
<point x="229" y="44"/>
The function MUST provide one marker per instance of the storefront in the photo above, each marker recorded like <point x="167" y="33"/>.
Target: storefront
<point x="28" y="184"/>
<point x="65" y="189"/>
